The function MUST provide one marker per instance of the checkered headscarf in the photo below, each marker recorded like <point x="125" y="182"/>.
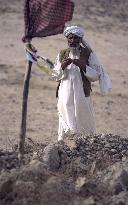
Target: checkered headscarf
<point x="45" y="18"/>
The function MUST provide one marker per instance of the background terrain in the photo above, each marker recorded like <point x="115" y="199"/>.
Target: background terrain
<point x="106" y="27"/>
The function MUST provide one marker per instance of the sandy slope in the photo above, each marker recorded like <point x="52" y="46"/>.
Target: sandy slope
<point x="111" y="111"/>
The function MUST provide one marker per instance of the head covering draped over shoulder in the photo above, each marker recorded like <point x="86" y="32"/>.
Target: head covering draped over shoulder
<point x="76" y="30"/>
<point x="104" y="80"/>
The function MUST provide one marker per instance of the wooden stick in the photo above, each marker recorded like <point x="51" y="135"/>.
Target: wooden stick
<point x="24" y="110"/>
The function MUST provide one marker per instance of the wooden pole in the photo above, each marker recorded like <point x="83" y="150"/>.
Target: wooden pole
<point x="24" y="110"/>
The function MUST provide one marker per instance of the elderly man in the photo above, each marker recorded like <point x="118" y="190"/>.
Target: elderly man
<point x="75" y="68"/>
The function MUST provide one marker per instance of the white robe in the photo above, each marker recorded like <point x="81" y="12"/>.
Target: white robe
<point x="76" y="114"/>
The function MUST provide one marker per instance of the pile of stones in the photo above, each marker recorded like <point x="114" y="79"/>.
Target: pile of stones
<point x="85" y="153"/>
<point x="81" y="170"/>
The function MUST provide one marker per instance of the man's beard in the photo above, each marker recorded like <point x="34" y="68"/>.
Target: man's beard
<point x="75" y="52"/>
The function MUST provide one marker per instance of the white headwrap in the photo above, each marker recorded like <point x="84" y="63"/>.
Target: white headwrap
<point x="74" y="30"/>
<point x="78" y="31"/>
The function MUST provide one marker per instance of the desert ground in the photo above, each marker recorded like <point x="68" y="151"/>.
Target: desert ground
<point x="107" y="35"/>
<point x="84" y="170"/>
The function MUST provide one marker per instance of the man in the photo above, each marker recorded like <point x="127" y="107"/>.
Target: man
<point x="75" y="68"/>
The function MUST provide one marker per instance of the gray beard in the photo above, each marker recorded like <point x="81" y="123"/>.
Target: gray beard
<point x="75" y="52"/>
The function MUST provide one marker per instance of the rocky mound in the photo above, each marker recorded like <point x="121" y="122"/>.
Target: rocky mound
<point x="82" y="170"/>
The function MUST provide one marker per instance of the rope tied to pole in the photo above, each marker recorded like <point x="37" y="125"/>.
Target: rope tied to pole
<point x="34" y="57"/>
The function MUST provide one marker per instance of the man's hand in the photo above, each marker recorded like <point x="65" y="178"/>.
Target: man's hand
<point x="79" y="64"/>
<point x="66" y="62"/>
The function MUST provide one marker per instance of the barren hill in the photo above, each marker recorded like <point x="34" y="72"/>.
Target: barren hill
<point x="103" y="14"/>
<point x="110" y="45"/>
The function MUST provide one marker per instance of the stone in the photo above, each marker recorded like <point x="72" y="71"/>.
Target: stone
<point x="124" y="179"/>
<point x="118" y="188"/>
<point x="7" y="186"/>
<point x="51" y="157"/>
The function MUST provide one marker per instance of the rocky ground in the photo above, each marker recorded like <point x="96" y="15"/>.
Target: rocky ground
<point x="86" y="170"/>
<point x="90" y="170"/>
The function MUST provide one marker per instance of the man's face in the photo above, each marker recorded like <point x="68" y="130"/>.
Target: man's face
<point x="73" y="40"/>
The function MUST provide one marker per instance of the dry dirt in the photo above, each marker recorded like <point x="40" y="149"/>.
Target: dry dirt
<point x="107" y="29"/>
<point x="111" y="46"/>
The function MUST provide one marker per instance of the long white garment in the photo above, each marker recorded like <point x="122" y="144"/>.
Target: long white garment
<point x="76" y="114"/>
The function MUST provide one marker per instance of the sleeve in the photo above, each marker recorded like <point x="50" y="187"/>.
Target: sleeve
<point x="58" y="73"/>
<point x="91" y="70"/>
<point x="91" y="74"/>
<point x="95" y="71"/>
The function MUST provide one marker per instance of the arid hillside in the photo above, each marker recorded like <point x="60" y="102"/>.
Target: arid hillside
<point x="102" y="14"/>
<point x="84" y="170"/>
<point x="111" y="45"/>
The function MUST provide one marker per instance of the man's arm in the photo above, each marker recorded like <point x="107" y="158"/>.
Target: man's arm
<point x="95" y="71"/>
<point x="89" y="71"/>
<point x="58" y="73"/>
